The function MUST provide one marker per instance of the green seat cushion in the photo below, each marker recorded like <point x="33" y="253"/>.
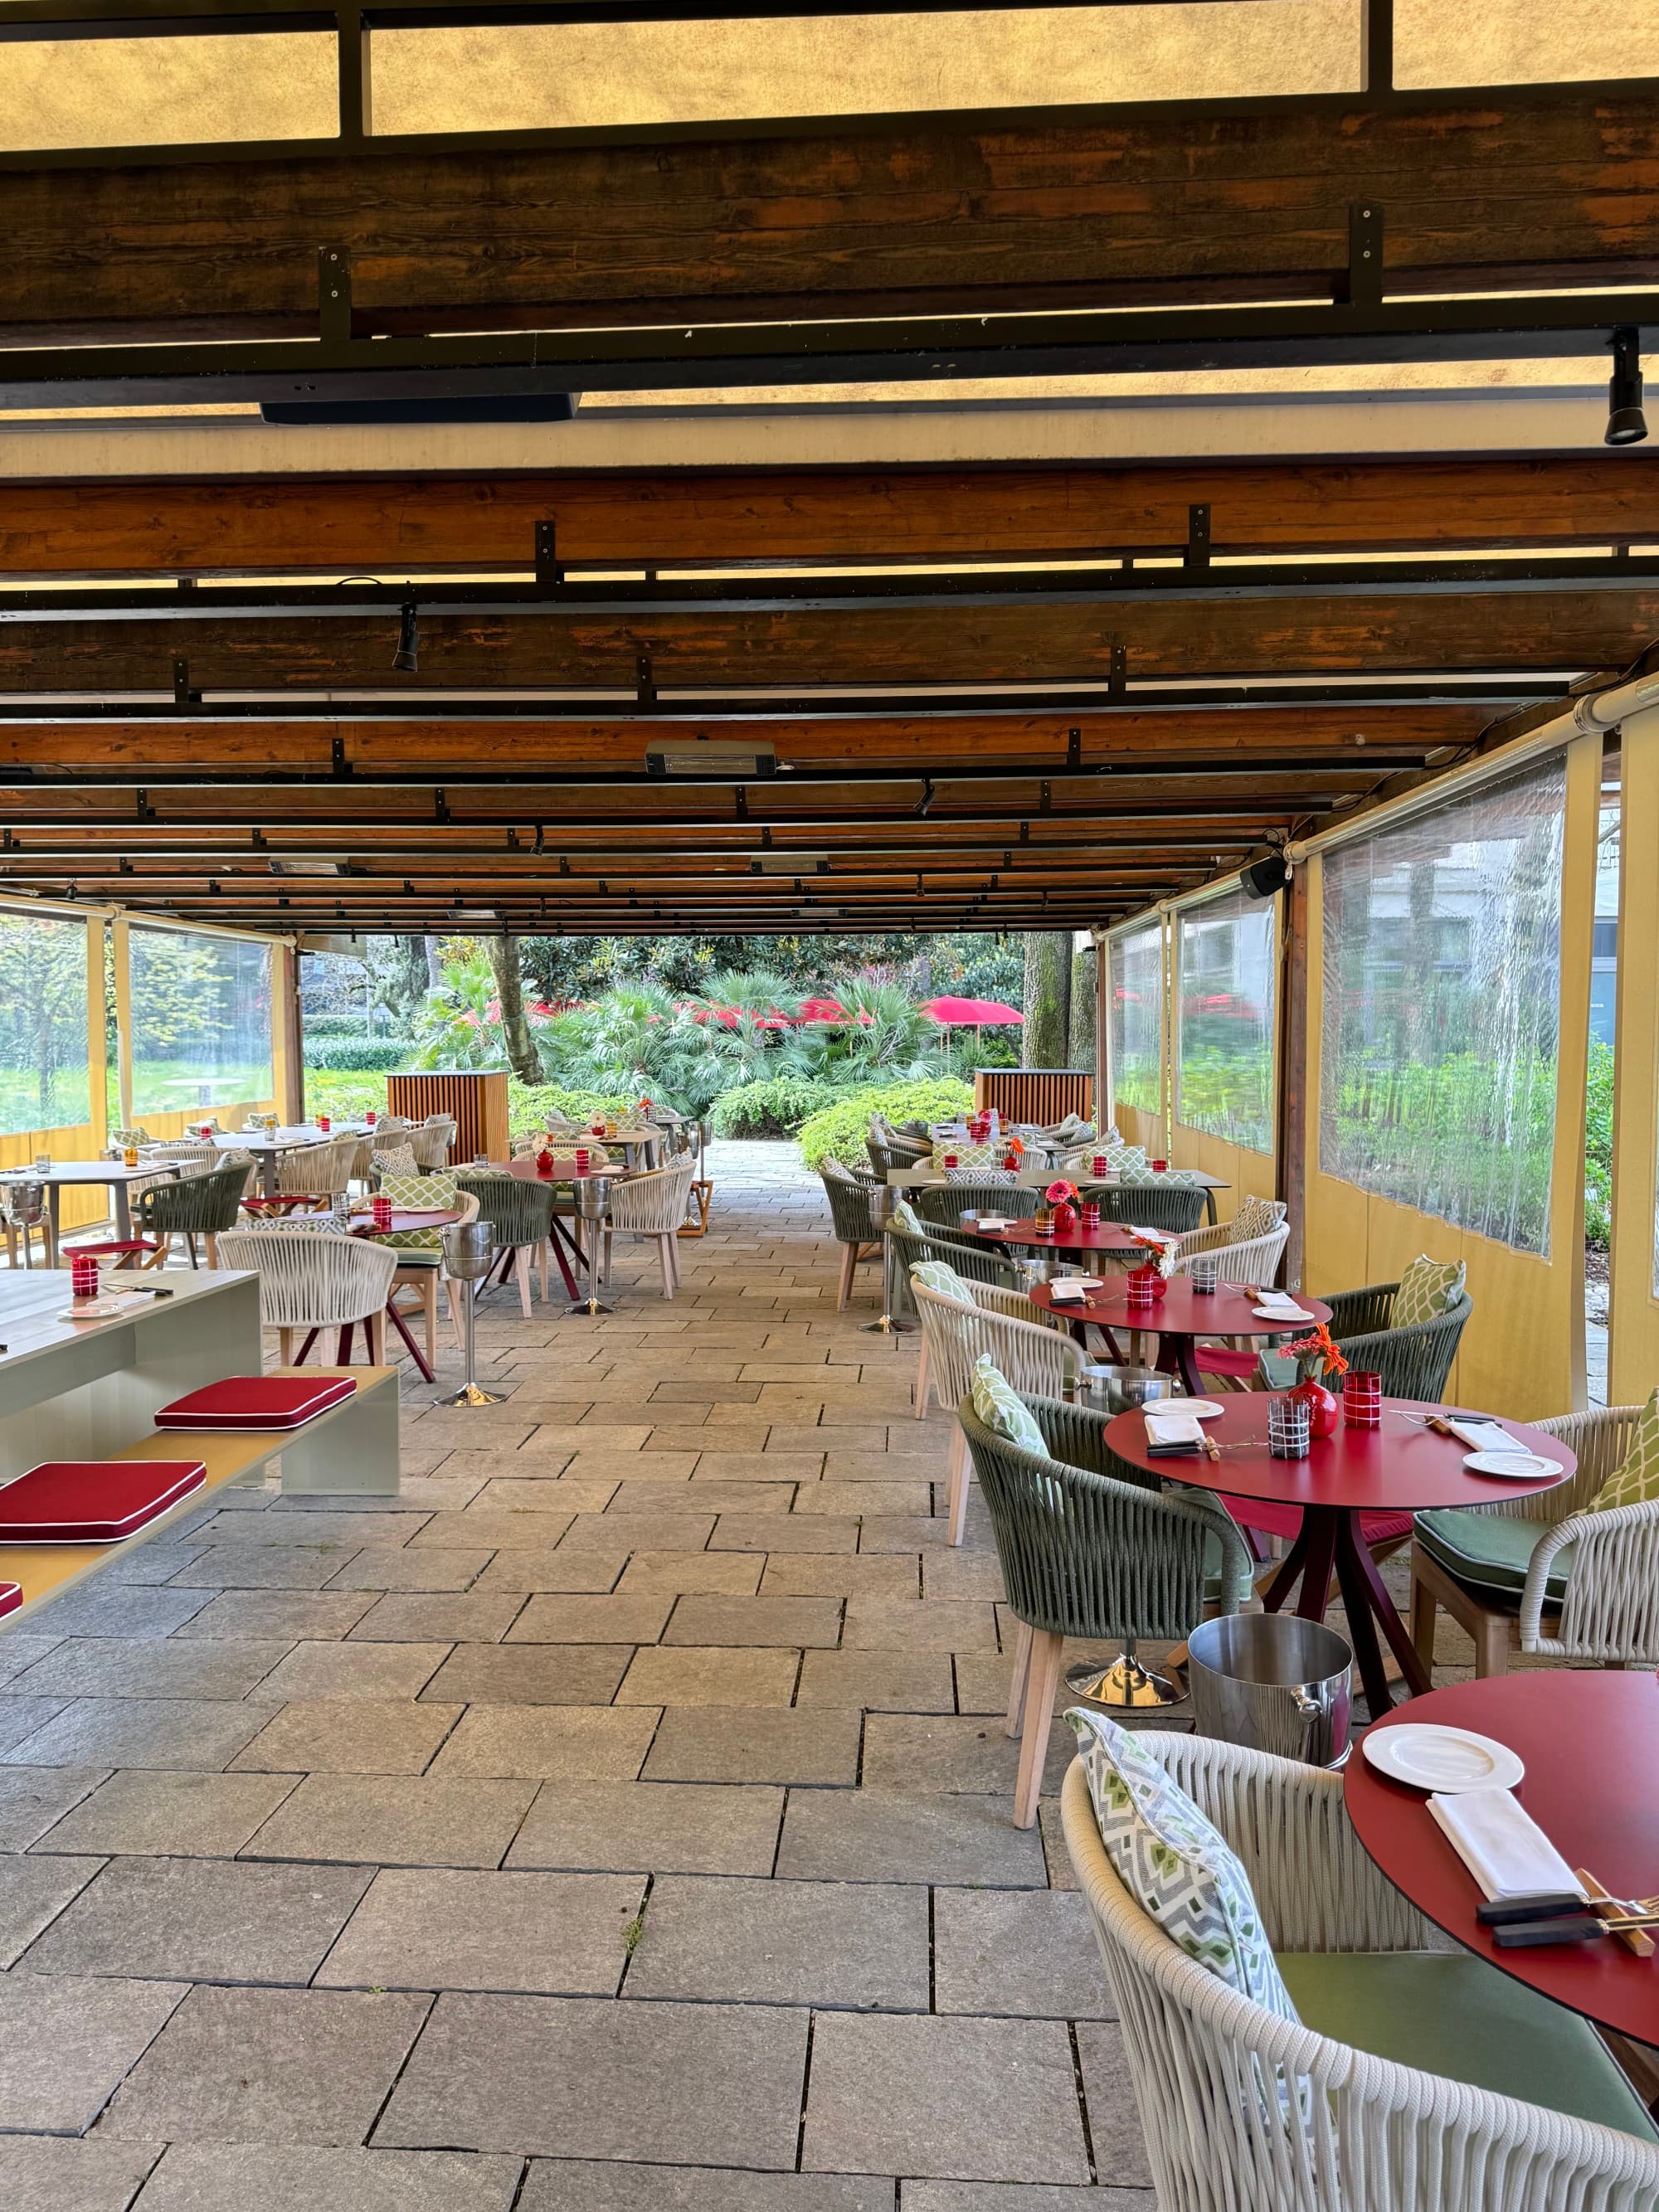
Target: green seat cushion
<point x="1451" y="2013"/>
<point x="1490" y="1551"/>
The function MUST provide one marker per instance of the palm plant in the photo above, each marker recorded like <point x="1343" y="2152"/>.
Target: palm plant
<point x="889" y="1036"/>
<point x="455" y="1027"/>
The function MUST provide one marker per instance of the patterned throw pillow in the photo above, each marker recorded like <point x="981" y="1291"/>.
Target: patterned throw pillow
<point x="430" y="1192"/>
<point x="1426" y="1288"/>
<point x="1177" y="1866"/>
<point x="1002" y="1409"/>
<point x="906" y="1218"/>
<point x="1635" y="1480"/>
<point x="967" y="1154"/>
<point x="980" y="1174"/>
<point x="939" y="1275"/>
<point x="1256" y="1217"/>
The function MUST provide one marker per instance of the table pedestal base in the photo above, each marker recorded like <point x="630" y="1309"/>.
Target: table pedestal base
<point x="1330" y="1544"/>
<point x="1124" y="1686"/>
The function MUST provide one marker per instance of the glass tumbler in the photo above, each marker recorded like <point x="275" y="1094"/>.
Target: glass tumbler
<point x="1290" y="1428"/>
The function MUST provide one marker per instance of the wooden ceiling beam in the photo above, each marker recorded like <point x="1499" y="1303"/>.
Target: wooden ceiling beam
<point x="410" y="526"/>
<point x="1556" y="185"/>
<point x="1367" y="635"/>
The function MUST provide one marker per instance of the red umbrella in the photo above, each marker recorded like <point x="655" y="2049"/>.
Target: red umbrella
<point x="830" y="1013"/>
<point x="971" y="1013"/>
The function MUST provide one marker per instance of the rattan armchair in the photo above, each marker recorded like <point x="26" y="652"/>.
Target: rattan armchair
<point x="1589" y="1581"/>
<point x="973" y="1259"/>
<point x="1176" y="1206"/>
<point x="521" y="1214"/>
<point x="1091" y="1547"/>
<point x="313" y="1280"/>
<point x="852" y="1210"/>
<point x="1244" y="2111"/>
<point x="653" y="1206"/>
<point x="194" y="1206"/>
<point x="1413" y="1360"/>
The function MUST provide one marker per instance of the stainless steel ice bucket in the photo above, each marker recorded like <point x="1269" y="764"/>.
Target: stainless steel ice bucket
<point x="469" y="1248"/>
<point x="593" y="1195"/>
<point x="1272" y="1682"/>
<point x="1110" y="1389"/>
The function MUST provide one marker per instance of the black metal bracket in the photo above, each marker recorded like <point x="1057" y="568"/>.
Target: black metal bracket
<point x="182" y="694"/>
<point x="337" y="753"/>
<point x="1365" y="254"/>
<point x="334" y="297"/>
<point x="549" y="575"/>
<point x="440" y="806"/>
<point x="644" y="681"/>
<point x="740" y="797"/>
<point x="1197" y="554"/>
<point x="1074" y="749"/>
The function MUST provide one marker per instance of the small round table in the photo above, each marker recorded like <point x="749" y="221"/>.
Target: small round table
<point x="1591" y="1783"/>
<point x="1177" y="1319"/>
<point x="1402" y="1467"/>
<point x="1070" y="1243"/>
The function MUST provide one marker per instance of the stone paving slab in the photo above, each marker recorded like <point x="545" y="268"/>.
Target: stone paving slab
<point x="33" y="1892"/>
<point x="65" y="2173"/>
<point x="395" y="1820"/>
<point x="267" y="2178"/>
<point x="33" y="1799"/>
<point x="66" y="2044"/>
<point x="671" y="1827"/>
<point x="563" y="1934"/>
<point x="582" y="2185"/>
<point x="713" y="2085"/>
<point x="774" y="1942"/>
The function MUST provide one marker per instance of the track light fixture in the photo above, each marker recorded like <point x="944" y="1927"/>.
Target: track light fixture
<point x="408" y="655"/>
<point x="1626" y="424"/>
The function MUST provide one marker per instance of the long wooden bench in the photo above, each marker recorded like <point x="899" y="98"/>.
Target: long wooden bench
<point x="350" y="1450"/>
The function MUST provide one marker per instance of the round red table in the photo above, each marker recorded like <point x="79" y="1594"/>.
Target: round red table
<point x="1178" y="1319"/>
<point x="1401" y="1467"/>
<point x="1587" y="1740"/>
<point x="1073" y="1244"/>
<point x="404" y="1219"/>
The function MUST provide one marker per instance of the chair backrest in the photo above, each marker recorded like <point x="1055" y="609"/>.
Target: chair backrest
<point x="654" y="1204"/>
<point x="1415" y="1359"/>
<point x="311" y="1279"/>
<point x="191" y="1155"/>
<point x="947" y="1203"/>
<point x="301" y="1169"/>
<point x="202" y="1204"/>
<point x="1352" y="2132"/>
<point x="520" y="1207"/>
<point x="1033" y="1359"/>
<point x="1253" y="1260"/>
<point x="850" y="1204"/>
<point x="1084" y="1550"/>
<point x="430" y="1144"/>
<point x="976" y="1261"/>
<point x="334" y="1164"/>
<point x="1177" y="1206"/>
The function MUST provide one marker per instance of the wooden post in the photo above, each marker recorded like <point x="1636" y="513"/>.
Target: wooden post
<point x="288" y="1070"/>
<point x="1294" y="1046"/>
<point x="97" y="1036"/>
<point x="1105" y="1097"/>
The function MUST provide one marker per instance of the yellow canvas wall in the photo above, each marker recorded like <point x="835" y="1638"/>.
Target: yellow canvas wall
<point x="1633" y="1322"/>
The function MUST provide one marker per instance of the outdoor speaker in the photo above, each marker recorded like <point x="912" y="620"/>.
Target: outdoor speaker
<point x="1262" y="877"/>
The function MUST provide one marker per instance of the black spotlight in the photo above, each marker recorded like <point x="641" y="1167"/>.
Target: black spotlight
<point x="408" y="655"/>
<point x="1262" y="877"/>
<point x="1626" y="424"/>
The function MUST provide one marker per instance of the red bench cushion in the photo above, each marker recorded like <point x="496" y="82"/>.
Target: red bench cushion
<point x="12" y="1596"/>
<point x="92" y="1501"/>
<point x="102" y="1250"/>
<point x="257" y="1401"/>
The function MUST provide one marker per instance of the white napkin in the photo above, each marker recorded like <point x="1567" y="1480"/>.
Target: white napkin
<point x="1157" y="1236"/>
<point x="1485" y="1436"/>
<point x="994" y="1221"/>
<point x="1173" y="1429"/>
<point x="1073" y="1286"/>
<point x="1501" y="1844"/>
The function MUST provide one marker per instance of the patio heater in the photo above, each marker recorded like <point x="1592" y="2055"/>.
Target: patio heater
<point x="469" y="1249"/>
<point x="881" y="1203"/>
<point x="592" y="1196"/>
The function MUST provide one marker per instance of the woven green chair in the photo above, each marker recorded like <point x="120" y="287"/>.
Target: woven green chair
<point x="945" y="1203"/>
<point x="194" y="1206"/>
<point x="1413" y="1360"/>
<point x="852" y="1203"/>
<point x="1177" y="1206"/>
<point x="522" y="1213"/>
<point x="1092" y="1547"/>
<point x="973" y="1260"/>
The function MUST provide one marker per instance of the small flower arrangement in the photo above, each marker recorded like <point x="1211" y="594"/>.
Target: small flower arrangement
<point x="1317" y="1347"/>
<point x="1062" y="1193"/>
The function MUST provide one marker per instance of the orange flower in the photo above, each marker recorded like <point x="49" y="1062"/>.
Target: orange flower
<point x="1330" y="1358"/>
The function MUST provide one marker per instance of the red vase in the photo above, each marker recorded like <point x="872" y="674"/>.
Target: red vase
<point x="1153" y="1276"/>
<point x="1322" y="1406"/>
<point x="1065" y="1220"/>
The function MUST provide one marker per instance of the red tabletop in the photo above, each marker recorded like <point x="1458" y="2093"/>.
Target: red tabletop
<point x="1592" y="1784"/>
<point x="1110" y="1237"/>
<point x="1181" y="1311"/>
<point x="1400" y="1468"/>
<point x="523" y="1169"/>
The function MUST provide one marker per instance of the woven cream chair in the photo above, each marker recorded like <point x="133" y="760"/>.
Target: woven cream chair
<point x="1354" y="2131"/>
<point x="326" y="1168"/>
<point x="313" y="1280"/>
<point x="990" y="1297"/>
<point x="430" y="1145"/>
<point x="1040" y="1362"/>
<point x="1544" y="1571"/>
<point x="419" y="1252"/>
<point x="1253" y="1260"/>
<point x="652" y="1205"/>
<point x="190" y="1155"/>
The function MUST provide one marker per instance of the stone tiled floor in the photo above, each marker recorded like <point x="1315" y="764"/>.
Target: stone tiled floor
<point x="618" y="1820"/>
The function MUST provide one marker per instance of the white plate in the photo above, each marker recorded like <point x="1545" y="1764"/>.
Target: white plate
<point x="1290" y="1320"/>
<point x="1519" y="1465"/>
<point x="1444" y="1759"/>
<point x="1206" y="1409"/>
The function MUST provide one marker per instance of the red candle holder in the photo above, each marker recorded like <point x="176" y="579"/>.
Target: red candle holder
<point x="83" y="1275"/>
<point x="323" y="1123"/>
<point x="1137" y="1293"/>
<point x="370" y="1118"/>
<point x="382" y="1209"/>
<point x="1089" y="1213"/>
<point x="583" y="1156"/>
<point x="1361" y="1399"/>
<point x="1159" y="1167"/>
<point x="952" y="1160"/>
<point x="1102" y="1163"/>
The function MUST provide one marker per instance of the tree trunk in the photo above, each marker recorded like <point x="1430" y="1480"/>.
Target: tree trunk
<point x="434" y="971"/>
<point x="1047" y="998"/>
<point x="1081" y="1034"/>
<point x="521" y="1054"/>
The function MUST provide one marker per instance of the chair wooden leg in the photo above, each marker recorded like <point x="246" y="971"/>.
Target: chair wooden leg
<point x="1492" y="1644"/>
<point x="1423" y="1613"/>
<point x="1042" y="1687"/>
<point x="667" y="1267"/>
<point x="376" y="1328"/>
<point x="957" y="1510"/>
<point x="922" y="1382"/>
<point x="849" y="1255"/>
<point x="1022" y="1670"/>
<point x="212" y="1249"/>
<point x="521" y="1269"/>
<point x="285" y="1347"/>
<point x="543" y="1250"/>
